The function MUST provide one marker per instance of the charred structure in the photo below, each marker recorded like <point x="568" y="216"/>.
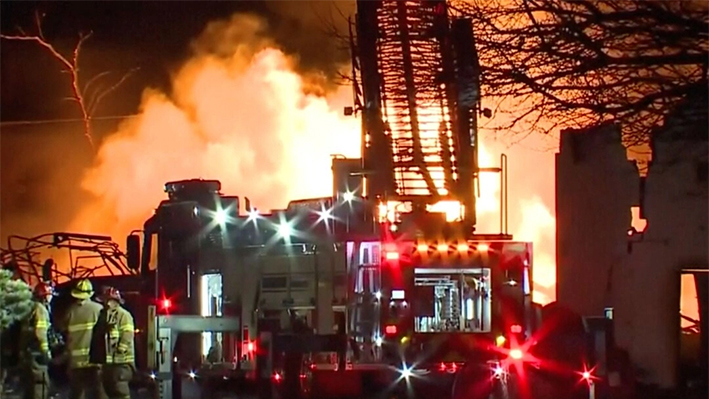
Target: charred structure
<point x="635" y="274"/>
<point x="416" y="78"/>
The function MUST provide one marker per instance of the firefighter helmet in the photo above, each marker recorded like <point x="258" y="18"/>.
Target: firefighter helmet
<point x="43" y="289"/>
<point x="83" y="289"/>
<point x="110" y="293"/>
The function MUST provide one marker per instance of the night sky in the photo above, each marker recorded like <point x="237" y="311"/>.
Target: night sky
<point x="150" y="35"/>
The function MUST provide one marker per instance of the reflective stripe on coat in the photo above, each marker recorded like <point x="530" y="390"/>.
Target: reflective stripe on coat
<point x="35" y="329"/>
<point x="41" y="326"/>
<point x="121" y="334"/>
<point x="81" y="319"/>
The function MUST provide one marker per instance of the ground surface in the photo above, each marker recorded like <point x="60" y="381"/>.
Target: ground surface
<point x="192" y="391"/>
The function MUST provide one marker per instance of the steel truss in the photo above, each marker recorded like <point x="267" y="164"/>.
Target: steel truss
<point x="88" y="256"/>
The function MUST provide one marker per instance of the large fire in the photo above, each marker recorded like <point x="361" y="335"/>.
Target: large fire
<point x="240" y="113"/>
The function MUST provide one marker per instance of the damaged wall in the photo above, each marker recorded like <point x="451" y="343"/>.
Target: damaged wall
<point x="599" y="264"/>
<point x="675" y="206"/>
<point x="596" y="186"/>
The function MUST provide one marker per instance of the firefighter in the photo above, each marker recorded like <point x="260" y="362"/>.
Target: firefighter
<point x="81" y="319"/>
<point x="118" y="337"/>
<point x="34" y="342"/>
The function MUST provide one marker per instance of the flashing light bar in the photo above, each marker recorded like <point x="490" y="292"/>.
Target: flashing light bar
<point x="462" y="247"/>
<point x="392" y="252"/>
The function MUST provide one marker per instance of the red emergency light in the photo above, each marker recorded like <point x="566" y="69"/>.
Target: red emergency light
<point x="515" y="329"/>
<point x="390" y="330"/>
<point x="587" y="375"/>
<point x="166" y="304"/>
<point x="391" y="255"/>
<point x="516" y="354"/>
<point x="390" y="251"/>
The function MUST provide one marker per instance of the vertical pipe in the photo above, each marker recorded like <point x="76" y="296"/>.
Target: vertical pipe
<point x="504" y="225"/>
<point x="502" y="196"/>
<point x="504" y="170"/>
<point x="333" y="273"/>
<point x="316" y="322"/>
<point x="480" y="311"/>
<point x="487" y="307"/>
<point x="189" y="282"/>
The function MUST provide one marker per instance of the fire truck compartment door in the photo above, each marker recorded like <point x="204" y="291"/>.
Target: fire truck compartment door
<point x="184" y="323"/>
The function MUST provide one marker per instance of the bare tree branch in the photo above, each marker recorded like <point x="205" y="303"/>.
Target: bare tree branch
<point x="95" y="102"/>
<point x="589" y="61"/>
<point x="71" y="66"/>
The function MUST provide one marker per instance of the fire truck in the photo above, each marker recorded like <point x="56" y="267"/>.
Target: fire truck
<point x="390" y="296"/>
<point x="387" y="279"/>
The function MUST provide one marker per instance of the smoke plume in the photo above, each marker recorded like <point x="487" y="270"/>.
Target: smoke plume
<point x="238" y="112"/>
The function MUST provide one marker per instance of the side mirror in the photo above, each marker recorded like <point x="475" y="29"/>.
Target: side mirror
<point x="133" y="251"/>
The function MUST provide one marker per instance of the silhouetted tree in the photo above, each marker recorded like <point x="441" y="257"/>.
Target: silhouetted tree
<point x="15" y="304"/>
<point x="575" y="63"/>
<point x="87" y="97"/>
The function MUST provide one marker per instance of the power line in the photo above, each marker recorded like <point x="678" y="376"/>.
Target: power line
<point x="59" y="120"/>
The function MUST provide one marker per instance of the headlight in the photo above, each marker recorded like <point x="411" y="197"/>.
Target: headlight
<point x="285" y="230"/>
<point x="253" y="215"/>
<point x="324" y="215"/>
<point x="221" y="216"/>
<point x="348" y="196"/>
